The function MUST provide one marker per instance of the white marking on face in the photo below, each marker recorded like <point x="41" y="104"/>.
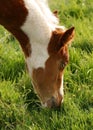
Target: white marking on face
<point x="61" y="91"/>
<point x="38" y="58"/>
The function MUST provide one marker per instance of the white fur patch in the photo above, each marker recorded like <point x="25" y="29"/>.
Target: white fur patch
<point x="39" y="32"/>
<point x="43" y="4"/>
<point x="61" y="27"/>
<point x="61" y="91"/>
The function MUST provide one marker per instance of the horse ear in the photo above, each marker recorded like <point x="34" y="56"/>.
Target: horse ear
<point x="67" y="37"/>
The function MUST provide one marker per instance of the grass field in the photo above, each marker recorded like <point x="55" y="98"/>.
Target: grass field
<point x="20" y="108"/>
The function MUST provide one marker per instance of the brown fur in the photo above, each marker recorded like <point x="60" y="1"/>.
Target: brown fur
<point x="12" y="16"/>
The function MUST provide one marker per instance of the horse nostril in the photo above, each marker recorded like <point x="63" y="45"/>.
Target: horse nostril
<point x="52" y="103"/>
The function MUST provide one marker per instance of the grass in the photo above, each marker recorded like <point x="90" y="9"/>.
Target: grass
<point x="20" y="108"/>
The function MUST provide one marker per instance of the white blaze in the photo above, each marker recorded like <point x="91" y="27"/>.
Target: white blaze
<point x="61" y="91"/>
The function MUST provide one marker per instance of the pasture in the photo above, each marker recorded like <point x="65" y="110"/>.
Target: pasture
<point x="20" y="108"/>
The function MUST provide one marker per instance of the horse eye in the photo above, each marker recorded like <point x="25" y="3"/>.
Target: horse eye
<point x="62" y="65"/>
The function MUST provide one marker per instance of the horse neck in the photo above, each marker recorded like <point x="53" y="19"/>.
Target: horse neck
<point x="39" y="30"/>
<point x="37" y="25"/>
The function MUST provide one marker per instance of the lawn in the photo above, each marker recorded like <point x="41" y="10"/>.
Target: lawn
<point x="20" y="108"/>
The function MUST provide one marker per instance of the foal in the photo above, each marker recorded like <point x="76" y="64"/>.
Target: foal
<point x="44" y="43"/>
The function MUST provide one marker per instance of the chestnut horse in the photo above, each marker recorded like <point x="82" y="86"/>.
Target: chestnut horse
<point x="44" y="43"/>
